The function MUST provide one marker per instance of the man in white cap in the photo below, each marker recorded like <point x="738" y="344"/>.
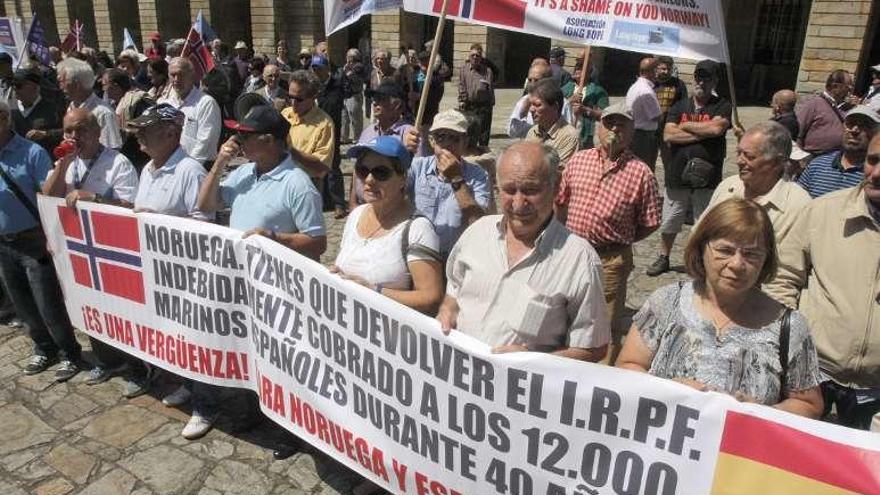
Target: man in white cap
<point x="841" y="169"/>
<point x="610" y="197"/>
<point x="449" y="191"/>
<point x="241" y="58"/>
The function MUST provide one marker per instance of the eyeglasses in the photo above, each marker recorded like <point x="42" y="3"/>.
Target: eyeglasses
<point x="380" y="174"/>
<point x="723" y="252"/>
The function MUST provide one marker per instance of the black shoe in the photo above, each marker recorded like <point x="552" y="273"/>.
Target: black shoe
<point x="66" y="371"/>
<point x="660" y="265"/>
<point x="39" y="364"/>
<point x="284" y="451"/>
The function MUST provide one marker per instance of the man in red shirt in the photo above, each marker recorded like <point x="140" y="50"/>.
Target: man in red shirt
<point x="610" y="198"/>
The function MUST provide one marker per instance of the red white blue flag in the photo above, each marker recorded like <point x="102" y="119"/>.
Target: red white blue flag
<point x="198" y="54"/>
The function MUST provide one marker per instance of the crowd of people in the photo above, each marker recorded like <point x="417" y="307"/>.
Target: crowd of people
<point x="782" y="304"/>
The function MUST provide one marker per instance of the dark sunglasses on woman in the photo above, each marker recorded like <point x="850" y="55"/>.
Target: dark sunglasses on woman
<point x="381" y="174"/>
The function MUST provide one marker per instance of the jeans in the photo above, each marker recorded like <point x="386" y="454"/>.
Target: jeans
<point x="31" y="283"/>
<point x="855" y="408"/>
<point x="106" y="356"/>
<point x="353" y="117"/>
<point x="204" y="397"/>
<point x="644" y="146"/>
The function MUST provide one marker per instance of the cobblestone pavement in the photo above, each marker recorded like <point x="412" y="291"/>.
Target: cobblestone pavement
<point x="68" y="438"/>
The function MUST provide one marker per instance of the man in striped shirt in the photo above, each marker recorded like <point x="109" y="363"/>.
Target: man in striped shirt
<point x="842" y="169"/>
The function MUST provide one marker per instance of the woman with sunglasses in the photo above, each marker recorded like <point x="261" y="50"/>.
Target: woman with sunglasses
<point x="384" y="247"/>
<point x="719" y="331"/>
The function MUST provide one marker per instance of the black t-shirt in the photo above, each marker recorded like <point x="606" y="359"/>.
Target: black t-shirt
<point x="712" y="150"/>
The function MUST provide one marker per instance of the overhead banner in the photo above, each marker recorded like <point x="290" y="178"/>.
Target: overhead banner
<point x="341" y="13"/>
<point x="378" y="387"/>
<point x="692" y="29"/>
<point x="12" y="38"/>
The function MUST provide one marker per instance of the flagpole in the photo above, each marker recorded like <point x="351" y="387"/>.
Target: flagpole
<point x="438" y="35"/>
<point x="729" y="67"/>
<point x="186" y="42"/>
<point x="27" y="38"/>
<point x="582" y="81"/>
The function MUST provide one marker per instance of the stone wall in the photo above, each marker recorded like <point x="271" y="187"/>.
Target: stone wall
<point x="834" y="40"/>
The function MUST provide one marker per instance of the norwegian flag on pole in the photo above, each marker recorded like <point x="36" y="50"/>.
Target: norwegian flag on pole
<point x="104" y="252"/>
<point x="198" y="54"/>
<point x="73" y="40"/>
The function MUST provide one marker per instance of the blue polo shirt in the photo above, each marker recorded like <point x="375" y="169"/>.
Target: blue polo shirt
<point x="28" y="164"/>
<point x="282" y="199"/>
<point x="825" y="174"/>
<point x="434" y="198"/>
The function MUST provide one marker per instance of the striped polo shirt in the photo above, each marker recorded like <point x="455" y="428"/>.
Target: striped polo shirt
<point x="825" y="174"/>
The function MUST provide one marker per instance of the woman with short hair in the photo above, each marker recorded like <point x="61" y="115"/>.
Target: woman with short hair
<point x="718" y="331"/>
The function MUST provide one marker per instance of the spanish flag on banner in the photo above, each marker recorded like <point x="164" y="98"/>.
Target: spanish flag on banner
<point x="758" y="456"/>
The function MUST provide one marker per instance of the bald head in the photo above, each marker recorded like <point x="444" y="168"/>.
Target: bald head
<point x="270" y="75"/>
<point x="647" y="67"/>
<point x="539" y="71"/>
<point x="82" y="127"/>
<point x="527" y="183"/>
<point x="784" y="101"/>
<point x="531" y="156"/>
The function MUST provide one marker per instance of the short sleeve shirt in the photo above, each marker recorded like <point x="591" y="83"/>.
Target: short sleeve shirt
<point x="110" y="176"/>
<point x="684" y="345"/>
<point x="173" y="188"/>
<point x="826" y="174"/>
<point x="27" y="164"/>
<point x="712" y="150"/>
<point x="434" y="198"/>
<point x="283" y="199"/>
<point x="380" y="260"/>
<point x="553" y="297"/>
<point x="312" y="133"/>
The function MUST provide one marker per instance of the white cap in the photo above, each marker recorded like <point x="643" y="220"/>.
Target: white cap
<point x="452" y="120"/>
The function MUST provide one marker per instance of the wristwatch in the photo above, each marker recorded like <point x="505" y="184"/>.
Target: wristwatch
<point x="456" y="183"/>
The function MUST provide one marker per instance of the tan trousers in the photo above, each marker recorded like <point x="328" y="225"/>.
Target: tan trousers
<point x="617" y="263"/>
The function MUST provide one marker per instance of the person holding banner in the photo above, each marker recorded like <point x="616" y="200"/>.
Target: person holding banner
<point x="91" y="172"/>
<point x="521" y="281"/>
<point x="718" y="331"/>
<point x="26" y="268"/>
<point x="828" y="270"/>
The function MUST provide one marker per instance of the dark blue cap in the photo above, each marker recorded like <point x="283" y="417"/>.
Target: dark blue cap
<point x="389" y="146"/>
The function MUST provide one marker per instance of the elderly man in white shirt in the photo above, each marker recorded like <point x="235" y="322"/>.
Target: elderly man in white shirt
<point x="521" y="281"/>
<point x="77" y="80"/>
<point x="201" y="129"/>
<point x="521" y="119"/>
<point x="642" y="100"/>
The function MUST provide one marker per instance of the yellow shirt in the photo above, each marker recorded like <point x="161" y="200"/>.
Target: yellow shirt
<point x="562" y="137"/>
<point x="311" y="134"/>
<point x="831" y="259"/>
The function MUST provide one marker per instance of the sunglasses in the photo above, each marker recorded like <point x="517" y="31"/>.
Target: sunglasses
<point x="380" y="174"/>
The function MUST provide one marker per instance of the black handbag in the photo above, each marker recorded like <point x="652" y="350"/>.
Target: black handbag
<point x="697" y="173"/>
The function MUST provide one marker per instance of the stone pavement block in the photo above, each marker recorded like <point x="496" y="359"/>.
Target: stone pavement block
<point x="8" y="488"/>
<point x="14" y="462"/>
<point x="71" y="408"/>
<point x="57" y="486"/>
<point x="98" y="449"/>
<point x="212" y="449"/>
<point x="165" y="433"/>
<point x="71" y="462"/>
<point x="166" y="469"/>
<point x="21" y="429"/>
<point x="123" y="425"/>
<point x="35" y="470"/>
<point x="116" y="482"/>
<point x="233" y="478"/>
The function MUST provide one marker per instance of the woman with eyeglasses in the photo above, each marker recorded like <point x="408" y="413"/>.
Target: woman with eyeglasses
<point x="718" y="331"/>
<point x="384" y="246"/>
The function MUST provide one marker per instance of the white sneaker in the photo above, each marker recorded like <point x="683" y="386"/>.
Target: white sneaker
<point x="197" y="426"/>
<point x="177" y="398"/>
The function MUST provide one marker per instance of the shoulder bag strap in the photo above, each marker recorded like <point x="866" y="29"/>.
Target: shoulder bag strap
<point x="13" y="186"/>
<point x="833" y="108"/>
<point x="784" y="334"/>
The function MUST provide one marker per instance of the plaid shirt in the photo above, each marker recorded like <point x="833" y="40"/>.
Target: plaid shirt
<point x="609" y="203"/>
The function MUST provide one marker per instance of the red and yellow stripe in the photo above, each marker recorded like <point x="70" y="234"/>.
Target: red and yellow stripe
<point x="763" y="457"/>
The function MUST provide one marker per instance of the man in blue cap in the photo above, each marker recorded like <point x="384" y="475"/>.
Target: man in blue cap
<point x="331" y="99"/>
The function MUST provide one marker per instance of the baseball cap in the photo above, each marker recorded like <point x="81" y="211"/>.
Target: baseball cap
<point x="261" y="119"/>
<point x="385" y="90"/>
<point x="158" y="114"/>
<point x="452" y="120"/>
<point x="22" y="75"/>
<point x="240" y="45"/>
<point x="389" y="146"/>
<point x="866" y="111"/>
<point x="319" y="61"/>
<point x="797" y="154"/>
<point x="618" y="108"/>
<point x="707" y="68"/>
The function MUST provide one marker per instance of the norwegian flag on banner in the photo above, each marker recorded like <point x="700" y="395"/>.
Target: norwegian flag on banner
<point x="104" y="252"/>
<point x="510" y="13"/>
<point x="198" y="54"/>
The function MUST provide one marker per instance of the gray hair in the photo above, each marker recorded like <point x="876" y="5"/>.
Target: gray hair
<point x="308" y="80"/>
<point x="77" y="70"/>
<point x="551" y="161"/>
<point x="353" y="53"/>
<point x="777" y="139"/>
<point x="183" y="63"/>
<point x="131" y="54"/>
<point x="380" y="51"/>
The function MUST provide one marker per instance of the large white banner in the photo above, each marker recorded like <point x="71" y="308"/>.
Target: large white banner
<point x="692" y="29"/>
<point x="378" y="387"/>
<point x="341" y="13"/>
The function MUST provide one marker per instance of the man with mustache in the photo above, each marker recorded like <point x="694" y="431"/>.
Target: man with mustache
<point x="829" y="267"/>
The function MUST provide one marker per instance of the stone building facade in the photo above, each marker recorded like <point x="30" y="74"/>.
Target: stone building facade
<point x="773" y="43"/>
